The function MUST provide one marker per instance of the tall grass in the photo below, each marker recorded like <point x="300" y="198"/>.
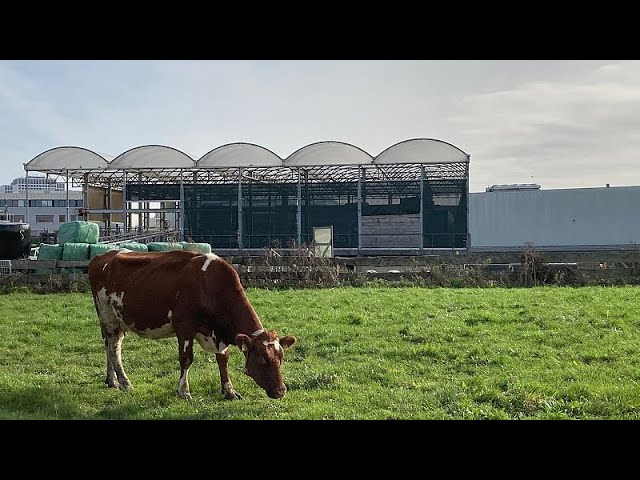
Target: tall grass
<point x="362" y="353"/>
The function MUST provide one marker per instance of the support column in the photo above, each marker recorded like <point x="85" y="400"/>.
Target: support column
<point x="26" y="202"/>
<point x="240" y="209"/>
<point x="468" y="201"/>
<point x="125" y="223"/>
<point x="181" y="234"/>
<point x="422" y="178"/>
<point x="360" y="175"/>
<point x="299" y="211"/>
<point x="109" y="218"/>
<point x="67" y="189"/>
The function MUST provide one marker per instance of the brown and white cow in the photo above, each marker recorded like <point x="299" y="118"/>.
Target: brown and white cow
<point x="190" y="296"/>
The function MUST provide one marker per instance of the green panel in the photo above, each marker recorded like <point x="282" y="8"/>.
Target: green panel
<point x="50" y="252"/>
<point x="134" y="247"/>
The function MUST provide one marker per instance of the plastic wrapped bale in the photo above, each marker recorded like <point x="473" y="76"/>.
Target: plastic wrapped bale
<point x="78" y="232"/>
<point x="48" y="252"/>
<point x="75" y="252"/>
<point x="196" y="247"/>
<point x="163" y="246"/>
<point x="134" y="247"/>
<point x="100" y="248"/>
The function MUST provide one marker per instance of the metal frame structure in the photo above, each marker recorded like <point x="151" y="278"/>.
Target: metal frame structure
<point x="326" y="166"/>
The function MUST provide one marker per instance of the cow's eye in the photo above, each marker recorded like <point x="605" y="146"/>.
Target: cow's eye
<point x="262" y="360"/>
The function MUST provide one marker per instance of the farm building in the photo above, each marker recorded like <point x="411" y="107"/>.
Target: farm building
<point x="509" y="217"/>
<point x="241" y="197"/>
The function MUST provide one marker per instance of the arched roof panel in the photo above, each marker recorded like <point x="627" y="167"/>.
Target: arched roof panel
<point x="422" y="150"/>
<point x="66" y="158"/>
<point x="152" y="156"/>
<point x="328" y="153"/>
<point x="240" y="155"/>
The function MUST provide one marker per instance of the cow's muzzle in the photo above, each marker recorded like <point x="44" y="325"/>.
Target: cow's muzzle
<point x="278" y="392"/>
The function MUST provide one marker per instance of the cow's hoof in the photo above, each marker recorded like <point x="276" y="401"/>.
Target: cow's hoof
<point x="114" y="384"/>
<point x="232" y="395"/>
<point x="125" y="387"/>
<point x="185" y="395"/>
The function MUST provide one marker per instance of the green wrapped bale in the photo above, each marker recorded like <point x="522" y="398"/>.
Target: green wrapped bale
<point x="78" y="232"/>
<point x="50" y="252"/>
<point x="75" y="251"/>
<point x="100" y="248"/>
<point x="163" y="246"/>
<point x="196" y="247"/>
<point x="134" y="247"/>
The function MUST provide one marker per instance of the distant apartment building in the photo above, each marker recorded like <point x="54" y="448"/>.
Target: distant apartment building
<point x="47" y="203"/>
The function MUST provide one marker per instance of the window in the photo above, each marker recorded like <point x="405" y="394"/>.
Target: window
<point x="59" y="203"/>
<point x="3" y="202"/>
<point x="61" y="218"/>
<point x="44" y="218"/>
<point x="15" y="203"/>
<point x="18" y="218"/>
<point x="74" y="218"/>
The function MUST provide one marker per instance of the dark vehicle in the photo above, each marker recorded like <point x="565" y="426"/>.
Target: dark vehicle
<point x="15" y="240"/>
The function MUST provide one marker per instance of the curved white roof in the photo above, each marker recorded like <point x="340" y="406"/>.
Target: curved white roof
<point x="328" y="153"/>
<point x="236" y="155"/>
<point x="152" y="156"/>
<point x="422" y="150"/>
<point x="63" y="158"/>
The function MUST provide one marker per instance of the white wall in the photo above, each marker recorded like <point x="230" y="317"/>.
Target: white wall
<point x="568" y="217"/>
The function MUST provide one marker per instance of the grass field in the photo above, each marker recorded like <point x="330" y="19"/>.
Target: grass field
<point x="362" y="353"/>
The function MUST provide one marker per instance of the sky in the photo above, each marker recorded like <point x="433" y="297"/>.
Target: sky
<point x="558" y="123"/>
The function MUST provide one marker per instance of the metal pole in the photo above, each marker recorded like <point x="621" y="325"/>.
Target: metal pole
<point x="299" y="211"/>
<point x="181" y="234"/>
<point x="468" y="243"/>
<point x="421" y="208"/>
<point x="360" y="173"/>
<point x="109" y="205"/>
<point x="240" y="209"/>
<point x="67" y="184"/>
<point x="26" y="204"/>
<point x="125" y="224"/>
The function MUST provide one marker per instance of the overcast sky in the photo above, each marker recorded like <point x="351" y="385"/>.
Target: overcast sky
<point x="561" y="124"/>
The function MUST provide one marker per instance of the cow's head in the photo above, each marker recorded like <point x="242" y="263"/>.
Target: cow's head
<point x="263" y="356"/>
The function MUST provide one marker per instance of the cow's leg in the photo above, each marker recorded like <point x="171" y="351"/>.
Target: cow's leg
<point x="111" y="379"/>
<point x="114" y="351"/>
<point x="227" y="388"/>
<point x="185" y="354"/>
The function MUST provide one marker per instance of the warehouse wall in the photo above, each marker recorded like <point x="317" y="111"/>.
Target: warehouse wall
<point x="567" y="217"/>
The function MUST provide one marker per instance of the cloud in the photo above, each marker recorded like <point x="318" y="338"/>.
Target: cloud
<point x="570" y="133"/>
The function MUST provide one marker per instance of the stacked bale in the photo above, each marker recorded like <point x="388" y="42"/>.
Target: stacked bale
<point x="163" y="246"/>
<point x="196" y="247"/>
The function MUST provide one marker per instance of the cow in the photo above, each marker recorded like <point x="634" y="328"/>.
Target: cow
<point x="190" y="296"/>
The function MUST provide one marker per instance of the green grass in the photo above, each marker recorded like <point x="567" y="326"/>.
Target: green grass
<point x="362" y="353"/>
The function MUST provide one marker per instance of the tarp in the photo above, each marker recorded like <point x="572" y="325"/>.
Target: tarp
<point x="100" y="248"/>
<point x="78" y="232"/>
<point x="49" y="252"/>
<point x="196" y="247"/>
<point x="134" y="247"/>
<point x="163" y="246"/>
<point x="75" y="251"/>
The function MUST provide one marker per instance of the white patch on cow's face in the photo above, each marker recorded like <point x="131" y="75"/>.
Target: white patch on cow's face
<point x="186" y="345"/>
<point x="275" y="344"/>
<point x="210" y="258"/>
<point x="170" y="315"/>
<point x="105" y="266"/>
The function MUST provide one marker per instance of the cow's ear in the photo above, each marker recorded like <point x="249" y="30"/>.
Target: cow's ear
<point x="243" y="342"/>
<point x="286" y="342"/>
